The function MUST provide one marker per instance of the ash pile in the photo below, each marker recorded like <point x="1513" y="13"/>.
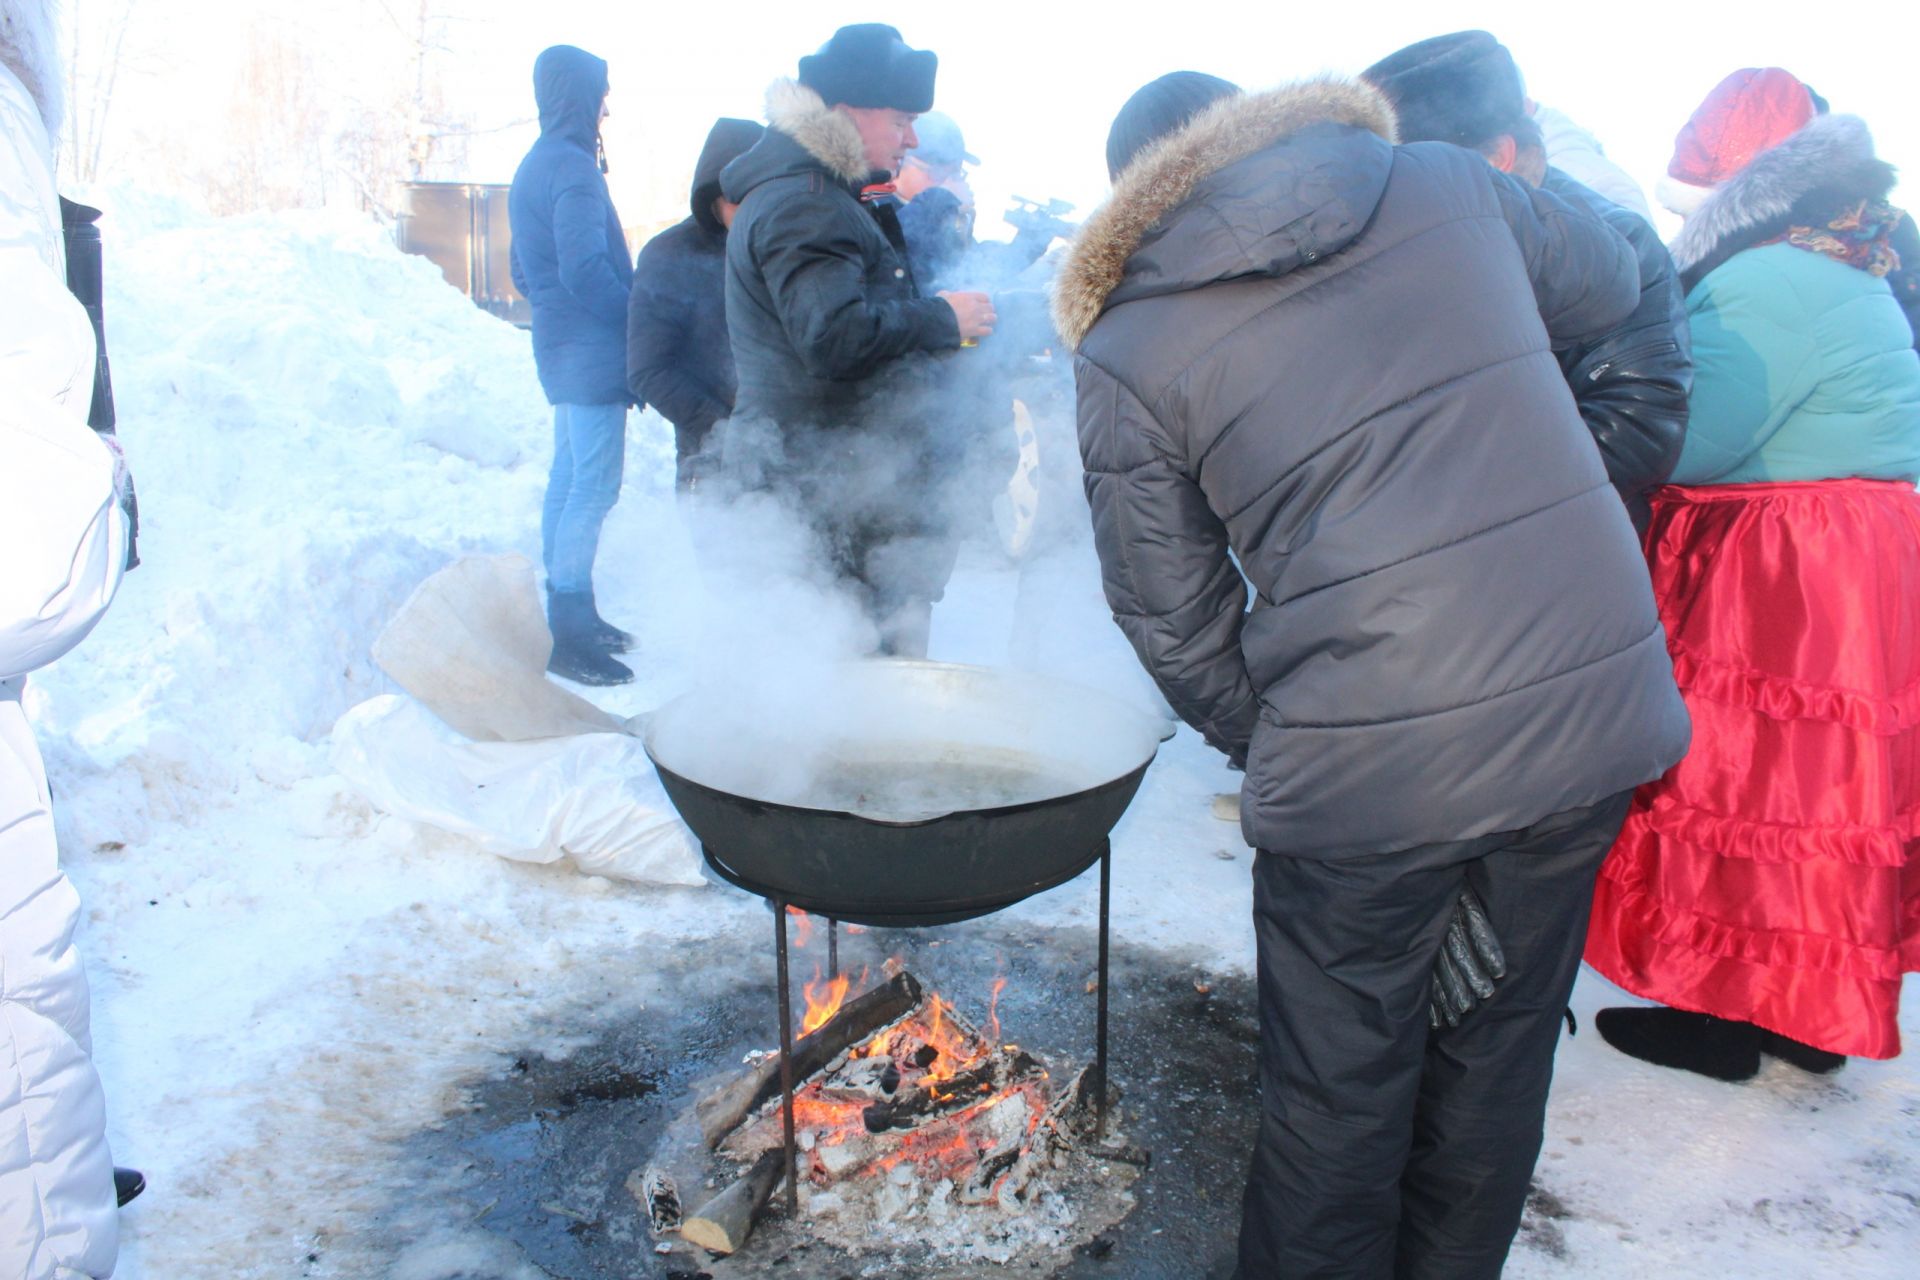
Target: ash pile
<point x="918" y="1136"/>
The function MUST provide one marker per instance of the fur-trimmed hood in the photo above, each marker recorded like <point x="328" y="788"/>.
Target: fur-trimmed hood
<point x="1826" y="166"/>
<point x="804" y="135"/>
<point x="1167" y="174"/>
<point x="28" y="48"/>
<point x="827" y="135"/>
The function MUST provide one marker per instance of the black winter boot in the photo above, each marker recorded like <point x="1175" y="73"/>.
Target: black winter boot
<point x="1696" y="1042"/>
<point x="1818" y="1062"/>
<point x="605" y="634"/>
<point x="127" y="1183"/>
<point x="576" y="654"/>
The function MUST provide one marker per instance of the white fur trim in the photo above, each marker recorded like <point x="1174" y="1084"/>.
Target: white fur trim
<point x="1680" y="197"/>
<point x="829" y="136"/>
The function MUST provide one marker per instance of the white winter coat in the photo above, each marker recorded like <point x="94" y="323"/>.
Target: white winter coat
<point x="1575" y="152"/>
<point x="62" y="542"/>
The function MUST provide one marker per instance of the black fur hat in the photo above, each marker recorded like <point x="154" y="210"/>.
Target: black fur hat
<point x="1462" y="88"/>
<point x="869" y="65"/>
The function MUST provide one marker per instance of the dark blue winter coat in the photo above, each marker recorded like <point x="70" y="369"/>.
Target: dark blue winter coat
<point x="569" y="253"/>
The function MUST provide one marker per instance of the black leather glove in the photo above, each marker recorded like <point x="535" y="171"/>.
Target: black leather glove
<point x="1470" y="963"/>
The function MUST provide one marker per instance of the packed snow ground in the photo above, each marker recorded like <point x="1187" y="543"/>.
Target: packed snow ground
<point x="286" y="983"/>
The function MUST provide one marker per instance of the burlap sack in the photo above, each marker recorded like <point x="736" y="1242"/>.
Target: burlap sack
<point x="471" y="644"/>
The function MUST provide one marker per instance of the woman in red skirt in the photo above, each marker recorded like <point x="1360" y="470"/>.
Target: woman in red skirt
<point x="1767" y="889"/>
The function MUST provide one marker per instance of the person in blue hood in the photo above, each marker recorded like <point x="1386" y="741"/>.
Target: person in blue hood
<point x="570" y="261"/>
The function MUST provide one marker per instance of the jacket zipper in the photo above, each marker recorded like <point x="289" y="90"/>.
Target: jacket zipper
<point x="1652" y="349"/>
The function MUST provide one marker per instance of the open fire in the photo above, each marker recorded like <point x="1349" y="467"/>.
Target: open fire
<point x="904" y="1110"/>
<point x="929" y="1090"/>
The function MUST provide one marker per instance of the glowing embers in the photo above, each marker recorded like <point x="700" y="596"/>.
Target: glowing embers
<point x="926" y="1108"/>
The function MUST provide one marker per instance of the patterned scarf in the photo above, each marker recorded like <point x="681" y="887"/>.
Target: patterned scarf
<point x="1858" y="237"/>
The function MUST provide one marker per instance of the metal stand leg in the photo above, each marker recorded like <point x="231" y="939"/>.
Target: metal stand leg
<point x="833" y="948"/>
<point x="1100" y="1044"/>
<point x="786" y="1055"/>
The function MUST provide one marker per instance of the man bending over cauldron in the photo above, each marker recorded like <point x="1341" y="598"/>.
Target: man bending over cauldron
<point x="1330" y="357"/>
<point x="840" y="407"/>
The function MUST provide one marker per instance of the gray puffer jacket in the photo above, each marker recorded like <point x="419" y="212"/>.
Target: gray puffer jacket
<point x="1330" y="358"/>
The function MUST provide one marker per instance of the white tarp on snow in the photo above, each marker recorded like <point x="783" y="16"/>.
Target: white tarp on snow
<point x="592" y="798"/>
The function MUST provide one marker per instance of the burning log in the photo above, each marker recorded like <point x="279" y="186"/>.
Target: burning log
<point x="941" y="1095"/>
<point x="723" y="1111"/>
<point x="723" y="1224"/>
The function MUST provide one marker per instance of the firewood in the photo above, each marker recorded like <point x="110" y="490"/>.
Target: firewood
<point x="657" y="1197"/>
<point x="723" y="1224"/>
<point x="722" y="1111"/>
<point x="929" y="1099"/>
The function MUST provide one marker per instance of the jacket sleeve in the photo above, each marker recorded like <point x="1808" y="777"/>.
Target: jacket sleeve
<point x="1584" y="274"/>
<point x="64" y="531"/>
<point x="580" y="215"/>
<point x="815" y="273"/>
<point x="659" y="328"/>
<point x="1755" y="361"/>
<point x="1632" y="385"/>
<point x="1170" y="581"/>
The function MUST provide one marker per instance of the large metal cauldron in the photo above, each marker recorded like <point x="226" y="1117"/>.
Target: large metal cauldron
<point x="895" y="792"/>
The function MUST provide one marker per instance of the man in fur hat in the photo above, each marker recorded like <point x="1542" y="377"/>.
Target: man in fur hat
<point x="840" y="401"/>
<point x="1317" y="362"/>
<point x="63" y="542"/>
<point x="1630" y="383"/>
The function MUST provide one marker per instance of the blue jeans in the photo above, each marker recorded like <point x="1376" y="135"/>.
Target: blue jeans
<point x="589" y="455"/>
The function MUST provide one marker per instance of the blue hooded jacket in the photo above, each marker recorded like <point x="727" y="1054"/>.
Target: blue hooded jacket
<point x="569" y="253"/>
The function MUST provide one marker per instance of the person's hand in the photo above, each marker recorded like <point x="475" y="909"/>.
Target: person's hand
<point x="122" y="477"/>
<point x="1470" y="962"/>
<point x="124" y="493"/>
<point x="974" y="311"/>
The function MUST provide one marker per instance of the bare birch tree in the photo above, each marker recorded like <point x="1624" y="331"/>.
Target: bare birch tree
<point x="97" y="48"/>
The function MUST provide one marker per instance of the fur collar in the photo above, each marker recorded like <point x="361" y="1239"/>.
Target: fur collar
<point x="1831" y="158"/>
<point x="1165" y="174"/>
<point x="827" y="135"/>
<point x="29" y="50"/>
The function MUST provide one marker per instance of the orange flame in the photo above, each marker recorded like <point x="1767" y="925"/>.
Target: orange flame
<point x="823" y="1001"/>
<point x="953" y="1143"/>
<point x="803" y="927"/>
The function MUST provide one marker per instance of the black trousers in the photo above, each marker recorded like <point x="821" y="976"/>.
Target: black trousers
<point x="1387" y="1150"/>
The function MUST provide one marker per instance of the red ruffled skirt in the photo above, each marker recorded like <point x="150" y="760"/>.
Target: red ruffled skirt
<point x="1773" y="875"/>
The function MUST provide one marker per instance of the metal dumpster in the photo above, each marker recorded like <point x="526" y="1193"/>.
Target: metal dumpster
<point x="461" y="227"/>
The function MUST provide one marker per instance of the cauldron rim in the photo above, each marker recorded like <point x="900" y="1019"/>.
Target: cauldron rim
<point x="924" y="868"/>
<point x="650" y="743"/>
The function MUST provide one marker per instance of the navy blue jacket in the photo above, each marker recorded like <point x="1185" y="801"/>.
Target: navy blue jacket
<point x="678" y="359"/>
<point x="569" y="253"/>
